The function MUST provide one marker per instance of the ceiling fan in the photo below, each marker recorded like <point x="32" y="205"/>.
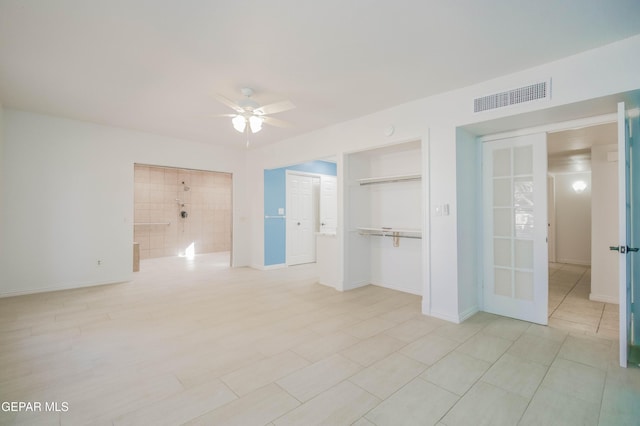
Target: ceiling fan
<point x="250" y="115"/>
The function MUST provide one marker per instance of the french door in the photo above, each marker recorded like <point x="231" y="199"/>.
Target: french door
<point x="515" y="227"/>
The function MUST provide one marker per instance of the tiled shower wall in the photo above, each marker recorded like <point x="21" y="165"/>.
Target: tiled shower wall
<point x="159" y="199"/>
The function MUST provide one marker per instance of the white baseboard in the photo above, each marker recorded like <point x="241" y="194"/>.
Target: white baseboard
<point x="326" y="284"/>
<point x="402" y="289"/>
<point x="446" y="316"/>
<point x="574" y="261"/>
<point x="603" y="298"/>
<point x="59" y="288"/>
<point x="357" y="284"/>
<point x="269" y="267"/>
<point x="469" y="313"/>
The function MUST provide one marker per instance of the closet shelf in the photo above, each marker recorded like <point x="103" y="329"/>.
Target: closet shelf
<point x="391" y="232"/>
<point x="388" y="179"/>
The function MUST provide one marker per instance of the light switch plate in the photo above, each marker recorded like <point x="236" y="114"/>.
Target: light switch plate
<point x="281" y="210"/>
<point x="437" y="210"/>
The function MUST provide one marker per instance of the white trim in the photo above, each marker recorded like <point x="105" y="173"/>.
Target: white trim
<point x="398" y="288"/>
<point x="553" y="127"/>
<point x="310" y="174"/>
<point x="622" y="234"/>
<point x="425" y="145"/>
<point x="573" y="261"/>
<point x="445" y="316"/>
<point x="67" y="287"/>
<point x="353" y="286"/>
<point x="603" y="298"/>
<point x="269" y="267"/>
<point x="469" y="313"/>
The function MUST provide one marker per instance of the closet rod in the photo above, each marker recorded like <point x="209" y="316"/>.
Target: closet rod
<point x="390" y="235"/>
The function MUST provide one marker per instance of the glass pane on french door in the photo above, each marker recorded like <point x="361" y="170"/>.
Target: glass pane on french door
<point x="515" y="227"/>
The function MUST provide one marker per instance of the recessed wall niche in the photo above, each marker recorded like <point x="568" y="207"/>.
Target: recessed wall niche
<point x="179" y="210"/>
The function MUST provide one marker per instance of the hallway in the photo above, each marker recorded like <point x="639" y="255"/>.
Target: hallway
<point x="570" y="307"/>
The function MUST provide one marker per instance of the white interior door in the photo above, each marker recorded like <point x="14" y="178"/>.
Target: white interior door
<point x="629" y="231"/>
<point x="328" y="204"/>
<point x="515" y="227"/>
<point x="301" y="219"/>
<point x="551" y="217"/>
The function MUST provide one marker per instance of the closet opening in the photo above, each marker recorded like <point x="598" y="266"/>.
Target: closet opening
<point x="384" y="218"/>
<point x="182" y="213"/>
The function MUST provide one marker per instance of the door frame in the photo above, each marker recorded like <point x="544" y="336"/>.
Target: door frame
<point x="546" y="128"/>
<point x="551" y="216"/>
<point x="286" y="201"/>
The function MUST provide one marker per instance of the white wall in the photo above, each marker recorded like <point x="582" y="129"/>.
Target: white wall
<point x="601" y="72"/>
<point x="1" y="167"/>
<point x="604" y="224"/>
<point x="573" y="219"/>
<point x="70" y="201"/>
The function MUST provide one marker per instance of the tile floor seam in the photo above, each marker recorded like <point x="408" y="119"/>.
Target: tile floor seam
<point x="543" y="378"/>
<point x="601" y="316"/>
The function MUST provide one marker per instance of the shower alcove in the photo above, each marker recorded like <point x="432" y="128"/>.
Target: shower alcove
<point x="181" y="212"/>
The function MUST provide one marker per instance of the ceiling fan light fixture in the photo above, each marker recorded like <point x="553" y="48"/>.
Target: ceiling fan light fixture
<point x="239" y="123"/>
<point x="255" y="123"/>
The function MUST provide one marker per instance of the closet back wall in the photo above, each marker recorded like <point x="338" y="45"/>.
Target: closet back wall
<point x="159" y="199"/>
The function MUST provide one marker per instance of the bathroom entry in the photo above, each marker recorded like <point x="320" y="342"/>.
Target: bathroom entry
<point x="281" y="212"/>
<point x="181" y="212"/>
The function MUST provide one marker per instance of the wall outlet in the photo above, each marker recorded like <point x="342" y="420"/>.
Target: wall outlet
<point x="99" y="262"/>
<point x="445" y="209"/>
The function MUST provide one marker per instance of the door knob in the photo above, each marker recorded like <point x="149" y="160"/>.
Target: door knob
<point x="623" y="249"/>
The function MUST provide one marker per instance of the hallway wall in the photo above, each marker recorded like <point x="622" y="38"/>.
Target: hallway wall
<point x="604" y="262"/>
<point x="573" y="219"/>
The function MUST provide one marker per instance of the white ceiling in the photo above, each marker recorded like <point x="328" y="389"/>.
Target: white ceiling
<point x="154" y="65"/>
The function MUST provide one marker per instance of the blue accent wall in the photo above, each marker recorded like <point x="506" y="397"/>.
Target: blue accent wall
<point x="275" y="195"/>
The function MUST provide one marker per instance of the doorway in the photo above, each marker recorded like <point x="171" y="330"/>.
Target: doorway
<point x="182" y="212"/>
<point x="583" y="223"/>
<point x="304" y="193"/>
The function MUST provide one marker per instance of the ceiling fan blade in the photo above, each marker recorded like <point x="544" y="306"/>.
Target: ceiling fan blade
<point x="229" y="103"/>
<point x="276" y="122"/>
<point x="223" y="115"/>
<point x="274" y="108"/>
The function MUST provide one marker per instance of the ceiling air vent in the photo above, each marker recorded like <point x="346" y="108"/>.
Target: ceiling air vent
<point x="517" y="96"/>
